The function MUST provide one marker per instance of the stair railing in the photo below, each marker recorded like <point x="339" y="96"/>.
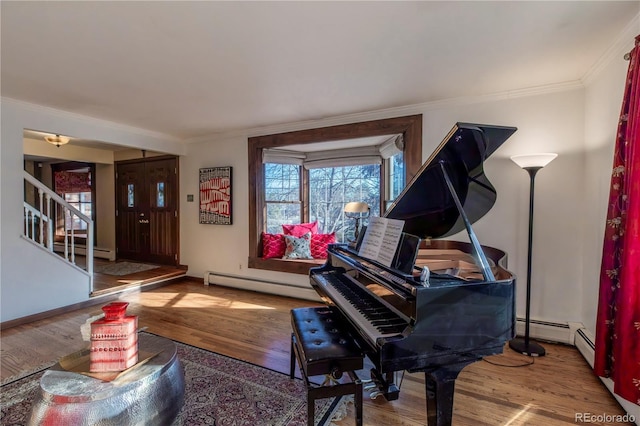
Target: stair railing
<point x="39" y="224"/>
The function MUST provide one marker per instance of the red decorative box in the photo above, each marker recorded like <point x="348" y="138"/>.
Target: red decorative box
<point x="114" y="340"/>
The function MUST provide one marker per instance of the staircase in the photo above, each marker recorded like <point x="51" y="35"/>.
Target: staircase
<point x="40" y="224"/>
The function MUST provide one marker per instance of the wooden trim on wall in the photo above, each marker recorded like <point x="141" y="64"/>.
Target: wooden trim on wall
<point x="409" y="126"/>
<point x="291" y="266"/>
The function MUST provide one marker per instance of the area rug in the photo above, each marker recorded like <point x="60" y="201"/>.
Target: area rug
<point x="122" y="268"/>
<point x="219" y="391"/>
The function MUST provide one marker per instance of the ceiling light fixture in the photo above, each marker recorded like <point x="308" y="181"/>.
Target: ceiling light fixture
<point x="57" y="140"/>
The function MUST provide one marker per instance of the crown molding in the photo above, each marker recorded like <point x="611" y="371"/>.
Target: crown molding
<point x="616" y="51"/>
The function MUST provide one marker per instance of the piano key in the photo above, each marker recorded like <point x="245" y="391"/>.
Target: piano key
<point x="335" y="286"/>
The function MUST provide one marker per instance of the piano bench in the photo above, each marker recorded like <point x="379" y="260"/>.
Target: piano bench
<point x="323" y="347"/>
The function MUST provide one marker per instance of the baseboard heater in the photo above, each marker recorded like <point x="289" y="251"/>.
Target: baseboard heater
<point x="584" y="342"/>
<point x="545" y="330"/>
<point x="102" y="253"/>
<point x="260" y="285"/>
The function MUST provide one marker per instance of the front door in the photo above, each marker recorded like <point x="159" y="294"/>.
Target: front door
<point x="147" y="215"/>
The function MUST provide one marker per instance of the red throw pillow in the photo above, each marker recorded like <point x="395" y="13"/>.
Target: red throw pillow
<point x="272" y="245"/>
<point x="319" y="244"/>
<point x="300" y="229"/>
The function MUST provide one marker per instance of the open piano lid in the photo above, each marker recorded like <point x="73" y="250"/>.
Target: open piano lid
<point x="426" y="204"/>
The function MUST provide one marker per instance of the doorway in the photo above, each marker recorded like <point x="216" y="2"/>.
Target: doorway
<point x="147" y="210"/>
<point x="75" y="182"/>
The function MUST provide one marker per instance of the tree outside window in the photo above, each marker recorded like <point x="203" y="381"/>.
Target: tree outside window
<point x="282" y="195"/>
<point x="329" y="190"/>
<point x="396" y="176"/>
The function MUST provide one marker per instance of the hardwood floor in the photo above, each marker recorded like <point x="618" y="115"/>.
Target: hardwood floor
<point x="256" y="328"/>
<point x="107" y="284"/>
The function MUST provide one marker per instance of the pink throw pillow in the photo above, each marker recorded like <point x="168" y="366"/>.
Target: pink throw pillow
<point x="300" y="229"/>
<point x="319" y="244"/>
<point x="272" y="245"/>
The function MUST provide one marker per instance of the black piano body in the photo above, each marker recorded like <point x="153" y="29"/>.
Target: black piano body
<point x="457" y="305"/>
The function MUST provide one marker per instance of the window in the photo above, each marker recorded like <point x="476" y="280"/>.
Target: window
<point x="160" y="194"/>
<point x="310" y="202"/>
<point x="396" y="177"/>
<point x="131" y="195"/>
<point x="82" y="202"/>
<point x="331" y="188"/>
<point x="75" y="183"/>
<point x="283" y="197"/>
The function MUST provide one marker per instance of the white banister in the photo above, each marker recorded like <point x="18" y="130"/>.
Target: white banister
<point x="49" y="225"/>
<point x="39" y="224"/>
<point x="72" y="239"/>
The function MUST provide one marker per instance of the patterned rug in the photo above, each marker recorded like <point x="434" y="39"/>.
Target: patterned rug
<point x="219" y="391"/>
<point x="122" y="268"/>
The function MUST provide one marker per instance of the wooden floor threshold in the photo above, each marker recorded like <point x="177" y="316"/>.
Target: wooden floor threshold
<point x="142" y="284"/>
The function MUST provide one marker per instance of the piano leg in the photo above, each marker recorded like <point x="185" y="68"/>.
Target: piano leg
<point x="440" y="385"/>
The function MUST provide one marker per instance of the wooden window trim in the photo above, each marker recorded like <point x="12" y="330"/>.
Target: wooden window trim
<point x="409" y="126"/>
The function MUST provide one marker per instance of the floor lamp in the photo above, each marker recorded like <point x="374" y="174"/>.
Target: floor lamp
<point x="531" y="163"/>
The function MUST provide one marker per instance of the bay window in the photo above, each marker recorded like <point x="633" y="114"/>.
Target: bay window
<point x="309" y="181"/>
<point x="331" y="188"/>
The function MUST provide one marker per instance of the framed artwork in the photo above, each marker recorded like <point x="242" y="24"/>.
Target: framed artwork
<point x="215" y="195"/>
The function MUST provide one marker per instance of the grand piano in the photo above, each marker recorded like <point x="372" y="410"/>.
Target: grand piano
<point x="442" y="304"/>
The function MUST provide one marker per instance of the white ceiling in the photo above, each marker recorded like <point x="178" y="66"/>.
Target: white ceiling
<point x="194" y="69"/>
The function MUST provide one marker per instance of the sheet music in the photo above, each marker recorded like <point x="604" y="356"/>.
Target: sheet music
<point x="381" y="239"/>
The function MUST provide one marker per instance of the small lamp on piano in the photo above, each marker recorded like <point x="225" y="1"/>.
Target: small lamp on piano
<point x="532" y="163"/>
<point x="356" y="210"/>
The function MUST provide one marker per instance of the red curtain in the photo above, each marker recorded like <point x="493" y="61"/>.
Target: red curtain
<point x="617" y="353"/>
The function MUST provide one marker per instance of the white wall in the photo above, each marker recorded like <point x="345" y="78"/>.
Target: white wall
<point x="548" y="122"/>
<point x="603" y="103"/>
<point x="30" y="280"/>
<point x="220" y="248"/>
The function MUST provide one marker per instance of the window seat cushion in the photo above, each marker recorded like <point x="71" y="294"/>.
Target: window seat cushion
<point x="292" y="266"/>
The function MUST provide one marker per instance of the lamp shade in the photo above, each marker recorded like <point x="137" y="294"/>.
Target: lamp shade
<point x="356" y="207"/>
<point x="533" y="160"/>
<point x="57" y="140"/>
